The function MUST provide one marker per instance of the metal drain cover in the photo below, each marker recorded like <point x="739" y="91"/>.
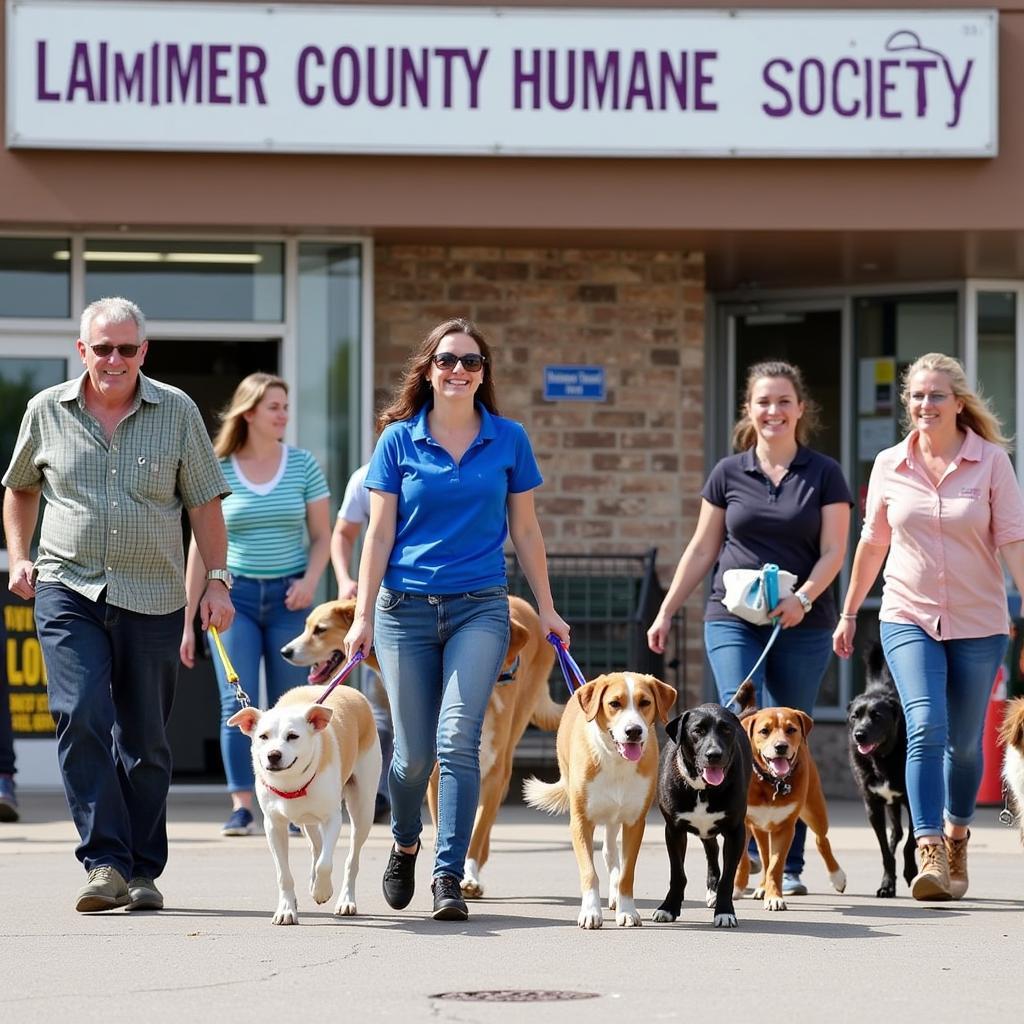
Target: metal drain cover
<point x="515" y="995"/>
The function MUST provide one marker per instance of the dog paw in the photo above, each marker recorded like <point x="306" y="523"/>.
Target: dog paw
<point x="711" y="898"/>
<point x="886" y="891"/>
<point x="590" y="919"/>
<point x="286" y="912"/>
<point x="472" y="888"/>
<point x="613" y="899"/>
<point x="628" y="918"/>
<point x="738" y="893"/>
<point x="321" y="890"/>
<point x="838" y="880"/>
<point x="774" y="903"/>
<point x="663" y="916"/>
<point x="725" y="920"/>
<point x="345" y="908"/>
<point x="758" y="893"/>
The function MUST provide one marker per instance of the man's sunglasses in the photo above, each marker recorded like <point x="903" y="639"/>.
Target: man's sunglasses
<point x="471" y="362"/>
<point x="124" y="351"/>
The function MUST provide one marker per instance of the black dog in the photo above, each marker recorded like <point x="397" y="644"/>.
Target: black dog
<point x="702" y="788"/>
<point x="878" y="757"/>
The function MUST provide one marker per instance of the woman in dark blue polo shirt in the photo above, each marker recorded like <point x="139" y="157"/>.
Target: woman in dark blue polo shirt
<point x="449" y="481"/>
<point x="775" y="501"/>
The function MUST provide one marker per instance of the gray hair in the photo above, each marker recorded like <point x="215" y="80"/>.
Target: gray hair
<point x="113" y="311"/>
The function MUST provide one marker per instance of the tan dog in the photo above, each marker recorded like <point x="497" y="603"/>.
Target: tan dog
<point x="515" y="703"/>
<point x="784" y="786"/>
<point x="307" y="758"/>
<point x="1011" y="735"/>
<point x="608" y="764"/>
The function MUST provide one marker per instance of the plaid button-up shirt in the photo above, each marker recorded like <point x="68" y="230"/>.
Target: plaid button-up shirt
<point x="112" y="515"/>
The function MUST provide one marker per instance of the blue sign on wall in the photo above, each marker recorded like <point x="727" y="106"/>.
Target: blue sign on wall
<point x="574" y="384"/>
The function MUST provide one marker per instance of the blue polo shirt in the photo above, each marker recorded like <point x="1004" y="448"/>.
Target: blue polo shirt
<point x="765" y="523"/>
<point x="452" y="517"/>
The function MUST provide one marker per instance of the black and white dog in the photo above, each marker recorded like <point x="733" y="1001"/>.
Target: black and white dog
<point x="702" y="788"/>
<point x="878" y="757"/>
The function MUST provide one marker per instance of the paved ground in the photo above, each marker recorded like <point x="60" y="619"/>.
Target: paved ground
<point x="213" y="954"/>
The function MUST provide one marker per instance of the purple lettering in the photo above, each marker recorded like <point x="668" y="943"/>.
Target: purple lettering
<point x="385" y="98"/>
<point x="42" y="93"/>
<point x="787" y="103"/>
<point x="958" y="90"/>
<point x="314" y="98"/>
<point x="475" y="71"/>
<point x="667" y="76"/>
<point x="566" y="101"/>
<point x="886" y="86"/>
<point x="520" y="76"/>
<point x="809" y="82"/>
<point x="215" y="72"/>
<point x="81" y="73"/>
<point x="341" y="98"/>
<point x="154" y="75"/>
<point x="600" y="79"/>
<point x="251" y="75"/>
<point x="128" y="81"/>
<point x="701" y="79"/>
<point x="447" y="55"/>
<point x="842" y="111"/>
<point x="187" y="75"/>
<point x="103" y="71"/>
<point x="921" y="67"/>
<point x="418" y="76"/>
<point x="639" y="82"/>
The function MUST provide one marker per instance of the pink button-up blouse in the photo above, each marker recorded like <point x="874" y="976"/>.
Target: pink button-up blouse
<point x="943" y="571"/>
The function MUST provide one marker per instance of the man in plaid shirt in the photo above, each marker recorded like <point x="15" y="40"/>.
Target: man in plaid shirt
<point x="116" y="456"/>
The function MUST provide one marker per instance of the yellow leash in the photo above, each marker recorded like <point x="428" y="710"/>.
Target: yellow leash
<point x="240" y="695"/>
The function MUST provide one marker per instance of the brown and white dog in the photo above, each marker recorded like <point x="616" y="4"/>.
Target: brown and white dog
<point x="784" y="786"/>
<point x="307" y="759"/>
<point x="608" y="765"/>
<point x="520" y="697"/>
<point x="1011" y="735"/>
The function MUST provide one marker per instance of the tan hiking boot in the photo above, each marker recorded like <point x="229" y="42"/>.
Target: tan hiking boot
<point x="956" y="854"/>
<point x="144" y="895"/>
<point x="105" y="890"/>
<point x="932" y="881"/>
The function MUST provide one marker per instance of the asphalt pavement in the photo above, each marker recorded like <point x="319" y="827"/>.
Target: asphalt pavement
<point x="213" y="954"/>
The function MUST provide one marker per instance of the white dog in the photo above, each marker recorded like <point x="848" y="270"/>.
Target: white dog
<point x="307" y="757"/>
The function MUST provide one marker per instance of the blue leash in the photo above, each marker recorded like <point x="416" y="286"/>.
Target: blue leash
<point x="764" y="653"/>
<point x="570" y="670"/>
<point x="342" y="675"/>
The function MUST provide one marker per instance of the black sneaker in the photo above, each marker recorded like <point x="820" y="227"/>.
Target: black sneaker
<point x="448" y="902"/>
<point x="400" y="878"/>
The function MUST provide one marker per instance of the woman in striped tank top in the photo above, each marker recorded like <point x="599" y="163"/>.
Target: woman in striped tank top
<point x="279" y="496"/>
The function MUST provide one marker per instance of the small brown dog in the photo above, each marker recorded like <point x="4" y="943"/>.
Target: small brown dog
<point x="1011" y="735"/>
<point x="520" y="697"/>
<point x="784" y="786"/>
<point x="608" y="765"/>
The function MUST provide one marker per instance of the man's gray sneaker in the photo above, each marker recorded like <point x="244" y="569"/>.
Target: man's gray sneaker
<point x="144" y="895"/>
<point x="105" y="890"/>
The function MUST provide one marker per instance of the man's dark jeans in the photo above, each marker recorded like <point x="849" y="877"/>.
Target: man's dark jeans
<point x="110" y="677"/>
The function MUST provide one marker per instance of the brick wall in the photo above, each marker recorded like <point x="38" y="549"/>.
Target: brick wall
<point x="623" y="475"/>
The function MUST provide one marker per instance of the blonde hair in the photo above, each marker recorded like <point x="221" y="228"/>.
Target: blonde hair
<point x="234" y="430"/>
<point x="744" y="433"/>
<point x="976" y="413"/>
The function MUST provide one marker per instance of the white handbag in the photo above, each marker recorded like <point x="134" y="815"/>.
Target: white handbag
<point x="753" y="593"/>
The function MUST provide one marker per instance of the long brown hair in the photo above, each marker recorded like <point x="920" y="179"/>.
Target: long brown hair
<point x="234" y="430"/>
<point x="413" y="391"/>
<point x="744" y="433"/>
<point x="976" y="413"/>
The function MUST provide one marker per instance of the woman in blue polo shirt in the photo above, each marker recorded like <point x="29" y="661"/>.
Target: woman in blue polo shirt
<point x="449" y="481"/>
<point x="775" y="501"/>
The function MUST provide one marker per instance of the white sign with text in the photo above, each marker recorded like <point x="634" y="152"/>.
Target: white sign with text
<point x="524" y="81"/>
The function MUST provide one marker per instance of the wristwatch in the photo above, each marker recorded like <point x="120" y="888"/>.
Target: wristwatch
<point x="220" y="574"/>
<point x="805" y="602"/>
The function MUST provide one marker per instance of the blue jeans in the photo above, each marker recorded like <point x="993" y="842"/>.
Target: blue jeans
<point x="262" y="626"/>
<point x="944" y="686"/>
<point x="789" y="677"/>
<point x="439" y="657"/>
<point x="111" y="675"/>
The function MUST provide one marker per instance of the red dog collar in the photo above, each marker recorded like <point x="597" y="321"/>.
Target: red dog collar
<point x="293" y="795"/>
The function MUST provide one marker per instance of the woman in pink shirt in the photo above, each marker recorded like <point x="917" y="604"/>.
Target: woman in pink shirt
<point x="943" y="504"/>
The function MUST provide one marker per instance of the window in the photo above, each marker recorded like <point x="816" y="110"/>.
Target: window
<point x="35" y="277"/>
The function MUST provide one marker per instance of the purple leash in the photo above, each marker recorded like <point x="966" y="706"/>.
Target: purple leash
<point x="342" y="675"/>
<point x="570" y="670"/>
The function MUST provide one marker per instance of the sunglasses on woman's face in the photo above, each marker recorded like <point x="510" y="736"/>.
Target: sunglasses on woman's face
<point x="124" y="351"/>
<point x="471" y="362"/>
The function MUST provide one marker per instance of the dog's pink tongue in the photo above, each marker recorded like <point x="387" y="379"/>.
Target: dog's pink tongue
<point x="866" y="748"/>
<point x="713" y="775"/>
<point x="780" y="766"/>
<point x="631" y="751"/>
